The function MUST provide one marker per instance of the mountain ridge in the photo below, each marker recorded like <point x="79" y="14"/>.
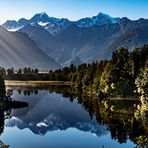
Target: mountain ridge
<point x="64" y="40"/>
<point x="93" y="43"/>
<point x="99" y="19"/>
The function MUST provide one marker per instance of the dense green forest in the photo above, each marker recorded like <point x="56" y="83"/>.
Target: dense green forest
<point x="124" y="75"/>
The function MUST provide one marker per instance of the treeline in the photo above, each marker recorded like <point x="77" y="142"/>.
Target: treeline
<point x="116" y="77"/>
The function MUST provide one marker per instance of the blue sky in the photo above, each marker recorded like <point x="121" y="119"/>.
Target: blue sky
<point x="72" y="9"/>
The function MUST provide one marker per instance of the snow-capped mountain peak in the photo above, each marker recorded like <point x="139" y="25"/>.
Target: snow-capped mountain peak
<point x="56" y="25"/>
<point x="42" y="23"/>
<point x="103" y="14"/>
<point x="99" y="19"/>
<point x="43" y="13"/>
<point x="108" y="17"/>
<point x="40" y="17"/>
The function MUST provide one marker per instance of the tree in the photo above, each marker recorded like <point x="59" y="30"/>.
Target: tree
<point x="36" y="71"/>
<point x="19" y="71"/>
<point x="142" y="85"/>
<point x="10" y="71"/>
<point x="25" y="70"/>
<point x="2" y="88"/>
<point x="117" y="78"/>
<point x="2" y="72"/>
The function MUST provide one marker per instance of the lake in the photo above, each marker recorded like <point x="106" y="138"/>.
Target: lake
<point x="59" y="117"/>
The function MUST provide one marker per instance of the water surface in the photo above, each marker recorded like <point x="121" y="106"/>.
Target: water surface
<point x="58" y="120"/>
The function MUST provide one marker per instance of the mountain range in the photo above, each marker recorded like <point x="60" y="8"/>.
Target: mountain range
<point x="88" y="39"/>
<point x="56" y="25"/>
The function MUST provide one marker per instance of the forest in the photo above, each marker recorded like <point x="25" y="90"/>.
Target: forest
<point x="124" y="75"/>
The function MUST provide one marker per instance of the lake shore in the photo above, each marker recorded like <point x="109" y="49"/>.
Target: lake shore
<point x="35" y="83"/>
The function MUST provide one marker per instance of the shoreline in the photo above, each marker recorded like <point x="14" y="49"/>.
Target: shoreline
<point x="41" y="83"/>
<point x="34" y="83"/>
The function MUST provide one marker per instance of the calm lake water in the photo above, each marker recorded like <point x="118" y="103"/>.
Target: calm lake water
<point x="58" y="120"/>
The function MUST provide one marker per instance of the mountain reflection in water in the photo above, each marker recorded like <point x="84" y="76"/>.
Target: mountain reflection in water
<point x="64" y="108"/>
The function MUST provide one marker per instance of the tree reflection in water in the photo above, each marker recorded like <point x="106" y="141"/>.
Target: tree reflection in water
<point x="6" y="104"/>
<point x="120" y="119"/>
<point x="121" y="123"/>
<point x="2" y="118"/>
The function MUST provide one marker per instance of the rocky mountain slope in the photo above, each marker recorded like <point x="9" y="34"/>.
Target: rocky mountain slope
<point x="17" y="50"/>
<point x="87" y="39"/>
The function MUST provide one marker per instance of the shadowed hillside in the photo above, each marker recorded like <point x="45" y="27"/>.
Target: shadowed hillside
<point x="18" y="50"/>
